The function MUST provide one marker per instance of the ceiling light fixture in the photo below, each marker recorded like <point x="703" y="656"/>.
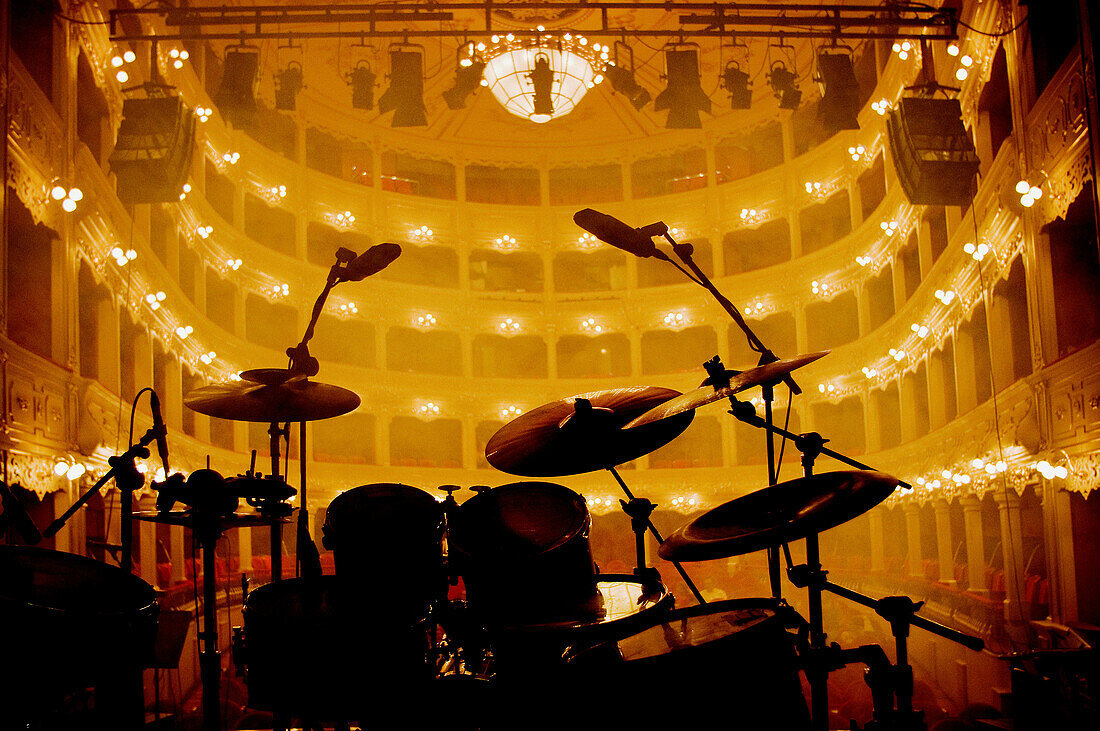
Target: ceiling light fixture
<point x="784" y="83"/>
<point x="542" y="78"/>
<point x="405" y="97"/>
<point x="468" y="75"/>
<point x="288" y="82"/>
<point x="684" y="98"/>
<point x="836" y="77"/>
<point x="736" y="82"/>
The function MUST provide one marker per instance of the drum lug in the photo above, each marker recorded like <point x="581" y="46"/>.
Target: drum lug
<point x="239" y="652"/>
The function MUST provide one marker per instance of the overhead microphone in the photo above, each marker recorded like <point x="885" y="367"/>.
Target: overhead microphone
<point x="611" y="230"/>
<point x="159" y="430"/>
<point x="371" y="261"/>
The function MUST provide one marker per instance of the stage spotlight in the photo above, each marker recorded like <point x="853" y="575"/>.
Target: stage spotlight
<point x="236" y="95"/>
<point x="839" y="91"/>
<point x="542" y="79"/>
<point x="736" y="82"/>
<point x="362" y="86"/>
<point x="405" y="97"/>
<point x="784" y="84"/>
<point x="288" y="83"/>
<point x="684" y="98"/>
<point x="623" y="82"/>
<point x="468" y="71"/>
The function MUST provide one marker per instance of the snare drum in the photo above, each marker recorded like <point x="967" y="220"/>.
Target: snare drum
<point x="314" y="650"/>
<point x="731" y="662"/>
<point x="387" y="541"/>
<point x="522" y="550"/>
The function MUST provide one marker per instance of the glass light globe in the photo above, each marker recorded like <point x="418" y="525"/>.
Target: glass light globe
<point x="506" y="76"/>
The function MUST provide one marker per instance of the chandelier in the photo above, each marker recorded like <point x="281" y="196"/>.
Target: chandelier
<point x="543" y="77"/>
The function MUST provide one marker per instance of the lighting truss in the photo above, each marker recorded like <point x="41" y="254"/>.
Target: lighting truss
<point x="833" y="21"/>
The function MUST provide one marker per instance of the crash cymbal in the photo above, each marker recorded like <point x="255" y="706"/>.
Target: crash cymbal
<point x="778" y="514"/>
<point x="297" y="399"/>
<point x="712" y="390"/>
<point x="583" y="433"/>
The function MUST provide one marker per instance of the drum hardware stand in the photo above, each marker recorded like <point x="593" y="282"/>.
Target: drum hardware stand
<point x="684" y="253"/>
<point x="656" y="534"/>
<point x="639" y="510"/>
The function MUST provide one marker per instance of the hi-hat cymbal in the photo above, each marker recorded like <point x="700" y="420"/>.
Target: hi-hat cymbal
<point x="296" y="399"/>
<point x="712" y="391"/>
<point x="778" y="514"/>
<point x="583" y="433"/>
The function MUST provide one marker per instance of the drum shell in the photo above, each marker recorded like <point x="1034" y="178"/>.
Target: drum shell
<point x="72" y="621"/>
<point x="744" y="671"/>
<point x="314" y="649"/>
<point x="387" y="540"/>
<point x="523" y="552"/>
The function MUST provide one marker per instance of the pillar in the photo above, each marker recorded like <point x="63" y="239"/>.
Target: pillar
<point x="878" y="543"/>
<point x="914" y="557"/>
<point x="1012" y="550"/>
<point x="146" y="548"/>
<point x="945" y="554"/>
<point x="975" y="546"/>
<point x="178" y="553"/>
<point x="63" y="540"/>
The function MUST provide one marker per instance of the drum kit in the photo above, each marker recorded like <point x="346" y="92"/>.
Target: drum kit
<point x="491" y="612"/>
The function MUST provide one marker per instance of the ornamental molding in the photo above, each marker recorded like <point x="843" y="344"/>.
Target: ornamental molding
<point x="33" y="472"/>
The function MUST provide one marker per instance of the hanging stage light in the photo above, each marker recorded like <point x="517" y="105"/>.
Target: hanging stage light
<point x="362" y="79"/>
<point x="542" y="81"/>
<point x="684" y="98"/>
<point x="622" y="78"/>
<point x="468" y="74"/>
<point x="836" y="78"/>
<point x="236" y="95"/>
<point x="288" y="82"/>
<point x="784" y="84"/>
<point x="736" y="82"/>
<point x="405" y="97"/>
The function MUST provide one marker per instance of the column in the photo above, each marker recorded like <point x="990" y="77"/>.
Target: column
<point x="937" y="390"/>
<point x="108" y="357"/>
<point x="924" y="246"/>
<point x="975" y="546"/>
<point x="966" y="392"/>
<point x="907" y="396"/>
<point x="878" y="543"/>
<point x="382" y="439"/>
<point x="469" y="442"/>
<point x="914" y="557"/>
<point x="146" y="548"/>
<point x="945" y="554"/>
<point x="178" y="553"/>
<point x="1012" y="550"/>
<point x="63" y="540"/>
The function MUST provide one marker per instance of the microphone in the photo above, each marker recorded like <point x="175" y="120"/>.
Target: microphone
<point x="371" y="261"/>
<point x="16" y="516"/>
<point x="611" y="230"/>
<point x="160" y="430"/>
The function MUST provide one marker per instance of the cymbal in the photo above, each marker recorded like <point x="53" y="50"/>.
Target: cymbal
<point x="295" y="399"/>
<point x="583" y="433"/>
<point x="711" y="391"/>
<point x="778" y="514"/>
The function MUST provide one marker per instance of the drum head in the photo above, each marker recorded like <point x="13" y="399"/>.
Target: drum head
<point x="52" y="582"/>
<point x="521" y="519"/>
<point x="381" y="513"/>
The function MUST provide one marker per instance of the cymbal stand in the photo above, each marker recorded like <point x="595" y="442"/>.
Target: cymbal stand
<point x="275" y="433"/>
<point x="684" y="253"/>
<point x="657" y="535"/>
<point x="639" y="509"/>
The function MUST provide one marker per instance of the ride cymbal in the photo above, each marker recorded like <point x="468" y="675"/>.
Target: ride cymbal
<point x="583" y="433"/>
<point x="296" y="399"/>
<point x="712" y="391"/>
<point x="778" y="514"/>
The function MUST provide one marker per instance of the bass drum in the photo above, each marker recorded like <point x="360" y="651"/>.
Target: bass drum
<point x="315" y="651"/>
<point x="71" y="622"/>
<point x="729" y="663"/>
<point x="522" y="550"/>
<point x="387" y="542"/>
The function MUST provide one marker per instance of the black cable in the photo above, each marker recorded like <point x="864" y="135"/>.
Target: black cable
<point x="1001" y="34"/>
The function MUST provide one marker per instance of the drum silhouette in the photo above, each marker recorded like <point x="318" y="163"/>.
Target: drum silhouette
<point x="522" y="550"/>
